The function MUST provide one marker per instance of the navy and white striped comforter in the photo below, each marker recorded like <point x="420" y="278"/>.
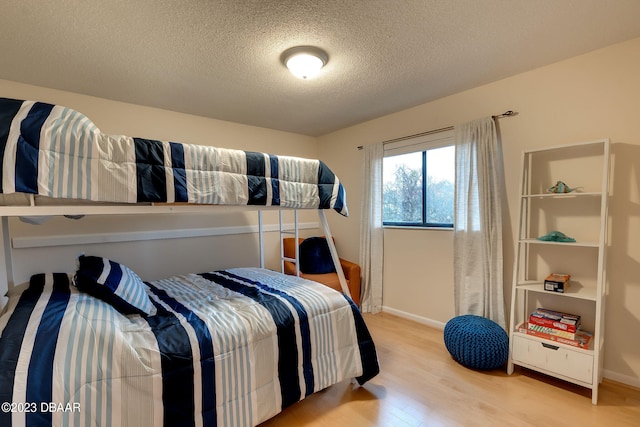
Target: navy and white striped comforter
<point x="54" y="151"/>
<point x="226" y="348"/>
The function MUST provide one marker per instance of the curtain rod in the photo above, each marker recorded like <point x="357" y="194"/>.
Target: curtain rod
<point x="508" y="113"/>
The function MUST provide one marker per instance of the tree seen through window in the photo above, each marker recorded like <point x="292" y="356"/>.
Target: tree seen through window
<point x="418" y="188"/>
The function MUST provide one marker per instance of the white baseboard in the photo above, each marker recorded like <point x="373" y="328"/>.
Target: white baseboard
<point x="419" y="319"/>
<point x="622" y="379"/>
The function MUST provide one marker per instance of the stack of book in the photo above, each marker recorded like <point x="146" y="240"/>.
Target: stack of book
<point x="556" y="326"/>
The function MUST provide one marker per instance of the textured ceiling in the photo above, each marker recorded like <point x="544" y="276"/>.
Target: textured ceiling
<point x="220" y="58"/>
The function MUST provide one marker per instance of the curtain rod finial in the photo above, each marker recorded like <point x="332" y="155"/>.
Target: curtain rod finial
<point x="508" y="113"/>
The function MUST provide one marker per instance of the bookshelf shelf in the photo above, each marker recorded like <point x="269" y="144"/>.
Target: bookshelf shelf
<point x="586" y="293"/>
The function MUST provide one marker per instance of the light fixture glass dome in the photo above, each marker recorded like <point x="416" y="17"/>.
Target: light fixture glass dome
<point x="304" y="62"/>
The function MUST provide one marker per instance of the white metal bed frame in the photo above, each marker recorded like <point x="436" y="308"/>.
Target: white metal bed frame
<point x="33" y="209"/>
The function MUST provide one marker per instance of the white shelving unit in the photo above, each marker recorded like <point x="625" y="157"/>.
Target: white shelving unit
<point x="581" y="214"/>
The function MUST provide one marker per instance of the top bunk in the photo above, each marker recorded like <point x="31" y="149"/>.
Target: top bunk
<point x="55" y="161"/>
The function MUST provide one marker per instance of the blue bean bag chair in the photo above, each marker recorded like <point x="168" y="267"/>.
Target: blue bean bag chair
<point x="476" y="342"/>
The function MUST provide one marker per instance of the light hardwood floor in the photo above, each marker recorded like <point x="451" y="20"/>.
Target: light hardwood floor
<point x="421" y="385"/>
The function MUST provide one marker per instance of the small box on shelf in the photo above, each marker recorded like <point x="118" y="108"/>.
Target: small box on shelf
<point x="556" y="282"/>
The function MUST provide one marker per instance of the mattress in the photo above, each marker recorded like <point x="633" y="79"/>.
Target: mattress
<point x="224" y="348"/>
<point x="54" y="151"/>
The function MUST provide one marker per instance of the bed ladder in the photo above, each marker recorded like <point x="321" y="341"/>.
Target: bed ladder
<point x="282" y="232"/>
<point x="327" y="233"/>
<point x="294" y="232"/>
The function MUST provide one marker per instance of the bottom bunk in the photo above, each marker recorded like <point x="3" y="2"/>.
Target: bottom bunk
<point x="227" y="348"/>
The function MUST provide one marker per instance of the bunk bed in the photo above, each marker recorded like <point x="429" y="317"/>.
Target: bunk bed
<point x="98" y="346"/>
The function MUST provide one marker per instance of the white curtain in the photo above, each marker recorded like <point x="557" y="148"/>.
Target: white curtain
<point x="478" y="282"/>
<point x="371" y="232"/>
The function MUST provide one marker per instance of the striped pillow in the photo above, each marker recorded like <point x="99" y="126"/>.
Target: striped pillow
<point x="113" y="283"/>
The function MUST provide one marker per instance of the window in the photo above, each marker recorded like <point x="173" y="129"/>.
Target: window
<point x="418" y="181"/>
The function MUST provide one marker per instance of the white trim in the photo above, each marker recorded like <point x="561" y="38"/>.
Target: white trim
<point x="419" y="143"/>
<point x="620" y="378"/>
<point x="415" y="227"/>
<point x="419" y="319"/>
<point x="26" y="242"/>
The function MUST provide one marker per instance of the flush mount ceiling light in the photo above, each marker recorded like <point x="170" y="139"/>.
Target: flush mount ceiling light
<point x="304" y="61"/>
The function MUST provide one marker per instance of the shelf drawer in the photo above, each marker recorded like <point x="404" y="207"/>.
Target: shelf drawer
<point x="554" y="359"/>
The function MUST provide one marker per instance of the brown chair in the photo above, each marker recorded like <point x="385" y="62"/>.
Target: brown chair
<point x="351" y="271"/>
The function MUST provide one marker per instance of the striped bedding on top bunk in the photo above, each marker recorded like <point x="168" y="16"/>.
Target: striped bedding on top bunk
<point x="58" y="152"/>
<point x="225" y="348"/>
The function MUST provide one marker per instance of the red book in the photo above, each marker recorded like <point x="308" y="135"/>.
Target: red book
<point x="555" y="319"/>
<point x="582" y="340"/>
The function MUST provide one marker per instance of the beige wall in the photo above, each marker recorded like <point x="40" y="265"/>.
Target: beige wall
<point x="134" y="120"/>
<point x="592" y="96"/>
<point x="159" y="258"/>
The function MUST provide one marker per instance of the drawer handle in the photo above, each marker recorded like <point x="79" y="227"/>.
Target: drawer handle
<point x="550" y="346"/>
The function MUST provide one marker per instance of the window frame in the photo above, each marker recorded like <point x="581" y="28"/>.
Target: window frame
<point x="420" y="144"/>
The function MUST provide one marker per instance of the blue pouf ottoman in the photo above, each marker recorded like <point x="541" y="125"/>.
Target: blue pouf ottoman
<point x="476" y="342"/>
